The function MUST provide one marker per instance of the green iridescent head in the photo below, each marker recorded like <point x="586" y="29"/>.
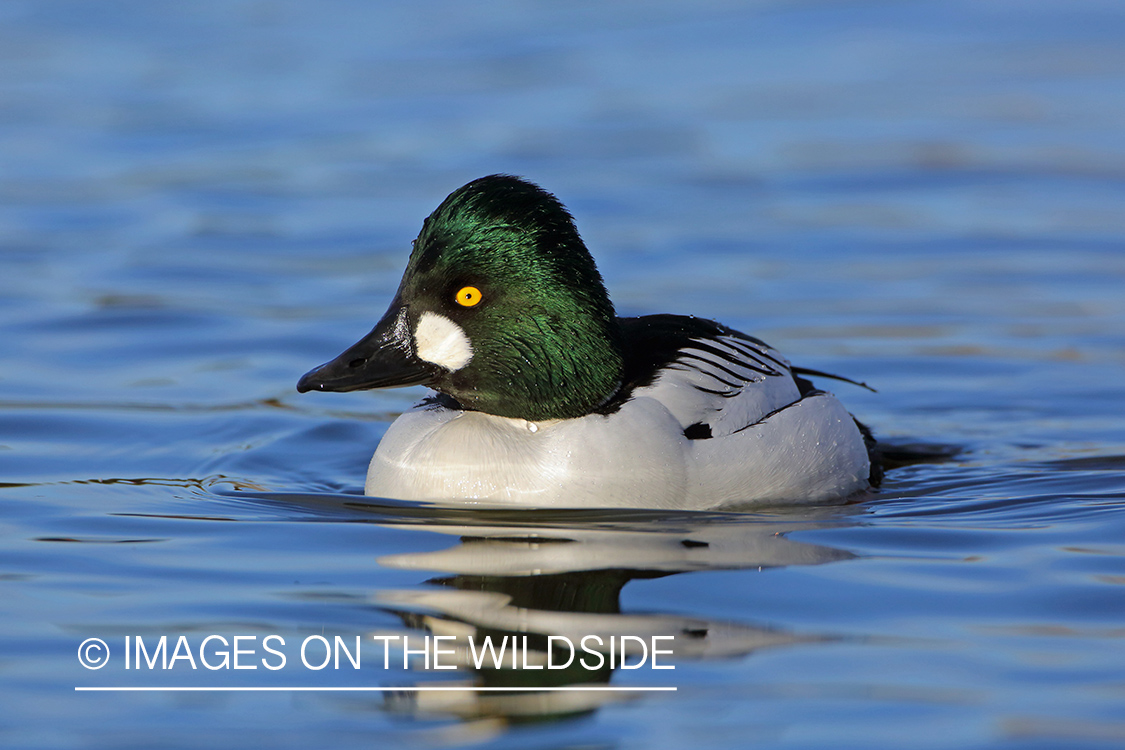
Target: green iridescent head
<point x="501" y="308"/>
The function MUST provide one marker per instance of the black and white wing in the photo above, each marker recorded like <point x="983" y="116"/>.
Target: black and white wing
<point x="713" y="379"/>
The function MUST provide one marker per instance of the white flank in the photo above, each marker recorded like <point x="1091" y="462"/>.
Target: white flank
<point x="439" y="340"/>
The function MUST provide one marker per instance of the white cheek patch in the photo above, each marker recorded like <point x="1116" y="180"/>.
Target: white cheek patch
<point x="440" y="341"/>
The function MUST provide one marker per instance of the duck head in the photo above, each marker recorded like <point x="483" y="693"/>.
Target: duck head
<point x="501" y="308"/>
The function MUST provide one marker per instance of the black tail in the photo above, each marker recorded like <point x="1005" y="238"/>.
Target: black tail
<point x="887" y="456"/>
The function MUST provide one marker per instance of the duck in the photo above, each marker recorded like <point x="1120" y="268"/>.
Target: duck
<point x="542" y="396"/>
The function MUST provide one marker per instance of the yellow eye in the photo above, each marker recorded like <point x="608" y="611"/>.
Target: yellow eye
<point x="467" y="296"/>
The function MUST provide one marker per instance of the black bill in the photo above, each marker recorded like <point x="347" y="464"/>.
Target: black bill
<point x="383" y="358"/>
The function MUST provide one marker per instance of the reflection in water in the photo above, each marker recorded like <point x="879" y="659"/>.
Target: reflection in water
<point x="544" y="588"/>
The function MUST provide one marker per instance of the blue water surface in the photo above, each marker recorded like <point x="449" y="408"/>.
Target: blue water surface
<point x="199" y="202"/>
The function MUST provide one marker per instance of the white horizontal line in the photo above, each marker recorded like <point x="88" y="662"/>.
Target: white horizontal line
<point x="407" y="689"/>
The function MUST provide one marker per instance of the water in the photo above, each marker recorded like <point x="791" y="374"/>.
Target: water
<point x="200" y="203"/>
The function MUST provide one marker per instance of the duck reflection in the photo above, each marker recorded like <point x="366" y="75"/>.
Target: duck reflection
<point x="549" y="582"/>
<point x="548" y="593"/>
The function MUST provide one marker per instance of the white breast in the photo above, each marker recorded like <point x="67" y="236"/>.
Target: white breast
<point x="434" y="453"/>
<point x="809" y="452"/>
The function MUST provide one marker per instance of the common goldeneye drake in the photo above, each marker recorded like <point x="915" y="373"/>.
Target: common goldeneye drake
<point x="544" y="397"/>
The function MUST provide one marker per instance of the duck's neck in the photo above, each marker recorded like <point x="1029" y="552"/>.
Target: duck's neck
<point x="547" y="366"/>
